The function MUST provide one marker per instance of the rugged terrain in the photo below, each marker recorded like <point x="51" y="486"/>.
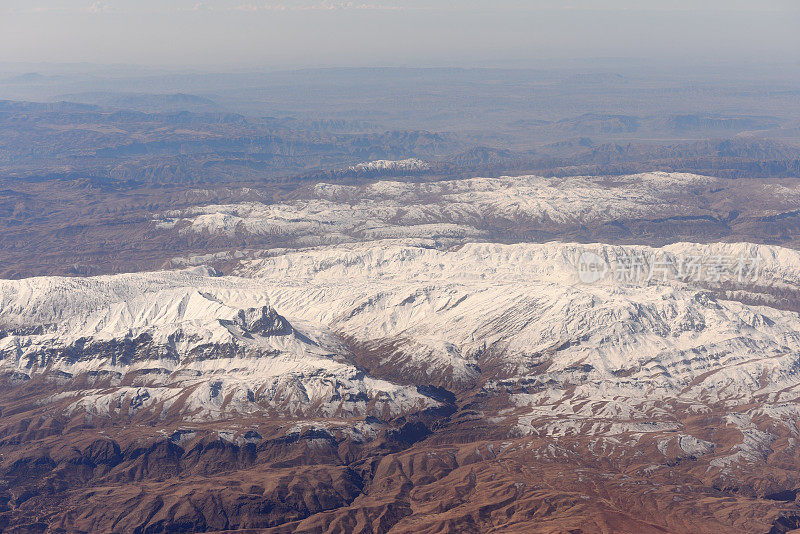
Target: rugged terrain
<point x="85" y="229"/>
<point x="394" y="385"/>
<point x="96" y="164"/>
<point x="400" y="300"/>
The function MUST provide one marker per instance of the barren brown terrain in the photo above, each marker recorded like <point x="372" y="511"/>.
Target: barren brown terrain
<point x="351" y="301"/>
<point x="426" y="474"/>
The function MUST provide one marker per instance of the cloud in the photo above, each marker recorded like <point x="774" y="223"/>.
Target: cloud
<point x="324" y="5"/>
<point x="98" y="7"/>
<point x="95" y="6"/>
<point x="216" y="6"/>
<point x="456" y="6"/>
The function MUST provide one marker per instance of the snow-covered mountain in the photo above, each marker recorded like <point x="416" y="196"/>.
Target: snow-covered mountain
<point x="293" y="334"/>
<point x="474" y="209"/>
<point x="383" y="165"/>
<point x="187" y="342"/>
<point x="345" y="359"/>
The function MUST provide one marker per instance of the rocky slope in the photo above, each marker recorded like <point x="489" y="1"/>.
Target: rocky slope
<point x="395" y="386"/>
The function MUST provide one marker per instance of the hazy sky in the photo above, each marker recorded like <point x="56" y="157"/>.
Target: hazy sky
<point x="283" y="33"/>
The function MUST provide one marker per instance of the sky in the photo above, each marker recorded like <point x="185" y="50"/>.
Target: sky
<point x="315" y="33"/>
